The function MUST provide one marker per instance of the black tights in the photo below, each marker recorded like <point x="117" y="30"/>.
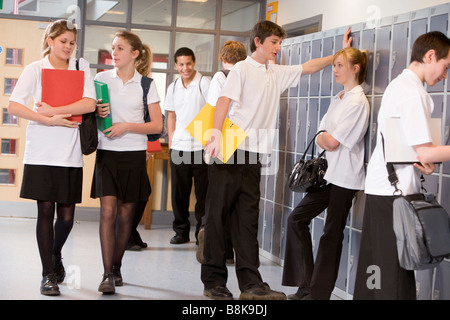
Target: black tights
<point x="116" y="219"/>
<point x="50" y="241"/>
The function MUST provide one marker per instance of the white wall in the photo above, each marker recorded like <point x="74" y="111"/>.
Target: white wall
<point x="338" y="13"/>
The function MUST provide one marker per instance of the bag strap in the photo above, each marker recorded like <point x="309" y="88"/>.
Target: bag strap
<point x="77" y="64"/>
<point x="145" y="83"/>
<point x="312" y="142"/>
<point x="392" y="175"/>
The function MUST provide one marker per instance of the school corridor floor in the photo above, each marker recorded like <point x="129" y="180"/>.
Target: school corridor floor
<point x="160" y="272"/>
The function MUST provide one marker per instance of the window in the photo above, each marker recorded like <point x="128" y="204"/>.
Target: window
<point x="9" y="146"/>
<point x="8" y="176"/>
<point x="9" y="85"/>
<point x="152" y="12"/>
<point x="8" y="118"/>
<point x="14" y="57"/>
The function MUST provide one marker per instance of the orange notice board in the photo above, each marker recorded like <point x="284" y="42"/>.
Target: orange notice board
<point x="272" y="11"/>
<point x="62" y="87"/>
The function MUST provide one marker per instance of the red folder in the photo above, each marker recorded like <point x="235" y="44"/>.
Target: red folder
<point x="154" y="146"/>
<point x="62" y="87"/>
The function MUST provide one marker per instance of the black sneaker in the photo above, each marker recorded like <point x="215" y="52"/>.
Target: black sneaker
<point x="178" y="239"/>
<point x="218" y="293"/>
<point x="107" y="285"/>
<point x="262" y="291"/>
<point x="58" y="268"/>
<point x="49" y="286"/>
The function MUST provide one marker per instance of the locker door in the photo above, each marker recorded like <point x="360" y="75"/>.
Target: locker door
<point x="315" y="77"/>
<point x="317" y="232"/>
<point x="367" y="43"/>
<point x="305" y="56"/>
<point x="327" y="73"/>
<point x="337" y="46"/>
<point x="295" y="59"/>
<point x="382" y="59"/>
<point x="446" y="137"/>
<point x="286" y="213"/>
<point x="267" y="226"/>
<point x="282" y="124"/>
<point x="288" y="194"/>
<point x="341" y="280"/>
<point x="302" y="121"/>
<point x="276" y="234"/>
<point x="270" y="187"/>
<point x="399" y="49"/>
<point x="291" y="124"/>
<point x="438" y="23"/>
<point x="438" y="101"/>
<point x="418" y="27"/>
<point x="353" y="259"/>
<point x="279" y="182"/>
<point x="324" y="104"/>
<point x="445" y="200"/>
<point x="373" y="133"/>
<point x="313" y="113"/>
<point x="424" y="282"/>
<point x="262" y="208"/>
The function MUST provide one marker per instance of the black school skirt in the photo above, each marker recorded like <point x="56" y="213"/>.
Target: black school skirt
<point x="122" y="174"/>
<point x="52" y="183"/>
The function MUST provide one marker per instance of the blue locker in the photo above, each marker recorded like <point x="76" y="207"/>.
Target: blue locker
<point x="270" y="187"/>
<point x="327" y="73"/>
<point x="424" y="283"/>
<point x="286" y="213"/>
<point x="446" y="137"/>
<point x="282" y="124"/>
<point x="304" y="80"/>
<point x="279" y="182"/>
<point x="284" y="59"/>
<point x="262" y="208"/>
<point x="439" y="23"/>
<point x="445" y="192"/>
<point x="302" y="122"/>
<point x="383" y="42"/>
<point x="355" y="241"/>
<point x="399" y="56"/>
<point x="267" y="226"/>
<point x="291" y="125"/>
<point x="295" y="59"/>
<point x="341" y="281"/>
<point x="315" y="77"/>
<point x="288" y="194"/>
<point x="276" y="230"/>
<point x="317" y="230"/>
<point x="337" y="46"/>
<point x="442" y="281"/>
<point x="367" y="43"/>
<point x="313" y="118"/>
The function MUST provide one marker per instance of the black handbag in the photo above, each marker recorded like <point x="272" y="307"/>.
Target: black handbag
<point x="308" y="175"/>
<point x="88" y="130"/>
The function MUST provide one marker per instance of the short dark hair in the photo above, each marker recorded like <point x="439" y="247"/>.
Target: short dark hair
<point x="184" y="51"/>
<point x="264" y="29"/>
<point x="432" y="40"/>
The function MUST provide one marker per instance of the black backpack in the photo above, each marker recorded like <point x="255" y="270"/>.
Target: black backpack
<point x="145" y="82"/>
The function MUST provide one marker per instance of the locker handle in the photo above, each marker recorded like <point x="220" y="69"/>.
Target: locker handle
<point x="394" y="59"/>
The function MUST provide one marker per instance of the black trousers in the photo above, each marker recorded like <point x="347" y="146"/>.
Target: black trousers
<point x="184" y="166"/>
<point x="299" y="267"/>
<point x="378" y="254"/>
<point x="233" y="197"/>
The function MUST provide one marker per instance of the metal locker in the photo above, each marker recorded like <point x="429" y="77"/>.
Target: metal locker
<point x="282" y="124"/>
<point x="323" y="108"/>
<point x="424" y="283"/>
<point x="304" y="80"/>
<point x="355" y="241"/>
<point x="279" y="178"/>
<point x="314" y="84"/>
<point x="399" y="55"/>
<point x="267" y="226"/>
<point x="276" y="230"/>
<point x="327" y="73"/>
<point x="313" y="114"/>
<point x="262" y="208"/>
<point x="438" y="110"/>
<point x="431" y="183"/>
<point x="358" y="208"/>
<point x="438" y="23"/>
<point x="442" y="282"/>
<point x="262" y="186"/>
<point x="317" y="231"/>
<point x="383" y="42"/>
<point x="288" y="194"/>
<point x="446" y="136"/>
<point x="445" y="191"/>
<point x="418" y="27"/>
<point x="337" y="46"/>
<point x="270" y="187"/>
<point x="367" y="43"/>
<point x="341" y="281"/>
<point x="302" y="121"/>
<point x="295" y="59"/>
<point x="286" y="213"/>
<point x="291" y="125"/>
<point x="374" y="125"/>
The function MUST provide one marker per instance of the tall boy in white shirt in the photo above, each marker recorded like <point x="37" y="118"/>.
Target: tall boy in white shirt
<point x="257" y="87"/>
<point x="406" y="98"/>
<point x="186" y="96"/>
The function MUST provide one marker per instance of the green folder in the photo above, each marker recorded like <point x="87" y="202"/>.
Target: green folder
<point x="101" y="91"/>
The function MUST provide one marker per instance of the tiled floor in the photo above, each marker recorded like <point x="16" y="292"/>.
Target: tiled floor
<point x="161" y="271"/>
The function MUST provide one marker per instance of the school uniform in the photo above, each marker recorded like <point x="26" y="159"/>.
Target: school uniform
<point x="186" y="160"/>
<point x="52" y="160"/>
<point x="346" y="120"/>
<point x="234" y="193"/>
<point x="405" y="97"/>
<point x="120" y="166"/>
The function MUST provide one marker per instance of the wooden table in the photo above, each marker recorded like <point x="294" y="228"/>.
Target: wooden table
<point x="164" y="154"/>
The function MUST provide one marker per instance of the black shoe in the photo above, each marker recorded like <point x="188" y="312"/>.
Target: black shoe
<point x="107" y="285"/>
<point x="178" y="239"/>
<point x="49" y="286"/>
<point x="218" y="293"/>
<point x="58" y="268"/>
<point x="118" y="281"/>
<point x="262" y="291"/>
<point x="300" y="294"/>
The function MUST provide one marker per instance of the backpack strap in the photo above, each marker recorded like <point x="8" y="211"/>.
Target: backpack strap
<point x="77" y="64"/>
<point x="145" y="83"/>
<point x="225" y="72"/>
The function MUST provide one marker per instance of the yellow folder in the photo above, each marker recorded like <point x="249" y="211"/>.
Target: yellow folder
<point x="201" y="127"/>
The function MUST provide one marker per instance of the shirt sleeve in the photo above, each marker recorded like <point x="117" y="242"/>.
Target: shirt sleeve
<point x="288" y="76"/>
<point x="153" y="96"/>
<point x="26" y="85"/>
<point x="234" y="83"/>
<point x="353" y="125"/>
<point x="215" y="88"/>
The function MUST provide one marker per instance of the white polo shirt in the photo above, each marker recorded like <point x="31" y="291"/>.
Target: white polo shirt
<point x="186" y="103"/>
<point x="50" y="145"/>
<point x="256" y="89"/>
<point x="347" y="120"/>
<point x="405" y="97"/>
<point x="126" y="105"/>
